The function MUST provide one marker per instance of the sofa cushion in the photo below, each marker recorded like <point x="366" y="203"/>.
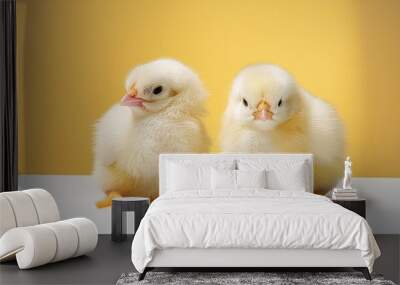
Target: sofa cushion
<point x="40" y="244"/>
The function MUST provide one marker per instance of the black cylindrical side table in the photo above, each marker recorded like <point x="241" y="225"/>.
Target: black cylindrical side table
<point x="120" y="206"/>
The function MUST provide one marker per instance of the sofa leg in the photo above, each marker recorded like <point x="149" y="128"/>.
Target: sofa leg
<point x="364" y="271"/>
<point x="142" y="275"/>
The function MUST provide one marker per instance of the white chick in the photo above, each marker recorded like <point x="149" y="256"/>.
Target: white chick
<point x="269" y="112"/>
<point x="160" y="113"/>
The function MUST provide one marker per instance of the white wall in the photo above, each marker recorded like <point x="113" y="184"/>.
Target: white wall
<point x="383" y="203"/>
<point x="76" y="196"/>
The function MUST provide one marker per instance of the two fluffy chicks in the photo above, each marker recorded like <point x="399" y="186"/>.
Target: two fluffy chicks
<point x="161" y="112"/>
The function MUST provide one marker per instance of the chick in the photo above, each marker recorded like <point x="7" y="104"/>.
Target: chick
<point x="269" y="112"/>
<point x="160" y="113"/>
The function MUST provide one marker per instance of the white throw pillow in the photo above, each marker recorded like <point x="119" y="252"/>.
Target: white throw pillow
<point x="181" y="177"/>
<point x="227" y="179"/>
<point x="223" y="179"/>
<point x="186" y="174"/>
<point x="251" y="178"/>
<point x="290" y="179"/>
<point x="281" y="174"/>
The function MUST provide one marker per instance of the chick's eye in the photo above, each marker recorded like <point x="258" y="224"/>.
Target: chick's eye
<point x="245" y="102"/>
<point x="157" y="90"/>
<point x="280" y="103"/>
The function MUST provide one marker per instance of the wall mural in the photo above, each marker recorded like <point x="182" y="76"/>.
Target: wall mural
<point x="71" y="70"/>
<point x="161" y="113"/>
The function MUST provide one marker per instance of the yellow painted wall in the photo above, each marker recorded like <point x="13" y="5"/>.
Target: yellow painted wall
<point x="73" y="56"/>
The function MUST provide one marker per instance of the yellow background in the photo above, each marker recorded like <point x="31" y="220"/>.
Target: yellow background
<point x="73" y="56"/>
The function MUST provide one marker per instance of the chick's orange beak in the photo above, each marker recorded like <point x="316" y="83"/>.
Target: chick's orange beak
<point x="263" y="111"/>
<point x="131" y="99"/>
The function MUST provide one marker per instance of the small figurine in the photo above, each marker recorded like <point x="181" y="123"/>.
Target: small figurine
<point x="347" y="174"/>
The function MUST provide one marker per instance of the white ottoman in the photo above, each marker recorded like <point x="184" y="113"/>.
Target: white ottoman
<point x="31" y="232"/>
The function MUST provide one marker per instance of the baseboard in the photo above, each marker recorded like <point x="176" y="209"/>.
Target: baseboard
<point x="76" y="196"/>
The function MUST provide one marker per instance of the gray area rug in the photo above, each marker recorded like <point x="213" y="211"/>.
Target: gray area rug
<point x="269" y="278"/>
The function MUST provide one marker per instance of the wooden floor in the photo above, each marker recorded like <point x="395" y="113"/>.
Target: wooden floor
<point x="110" y="260"/>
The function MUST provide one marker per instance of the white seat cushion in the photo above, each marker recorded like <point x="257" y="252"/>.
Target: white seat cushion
<point x="87" y="234"/>
<point x="40" y="244"/>
<point x="23" y="208"/>
<point x="67" y="237"/>
<point x="26" y="208"/>
<point x="45" y="205"/>
<point x="7" y="220"/>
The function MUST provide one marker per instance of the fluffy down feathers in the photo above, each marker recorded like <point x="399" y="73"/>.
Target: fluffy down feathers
<point x="268" y="112"/>
<point x="161" y="113"/>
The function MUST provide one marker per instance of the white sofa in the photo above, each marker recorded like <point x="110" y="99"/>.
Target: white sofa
<point x="31" y="230"/>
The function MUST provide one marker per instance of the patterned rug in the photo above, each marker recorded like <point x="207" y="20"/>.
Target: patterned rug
<point x="244" y="278"/>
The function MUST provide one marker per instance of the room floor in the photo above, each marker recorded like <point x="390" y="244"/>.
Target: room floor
<point x="110" y="260"/>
